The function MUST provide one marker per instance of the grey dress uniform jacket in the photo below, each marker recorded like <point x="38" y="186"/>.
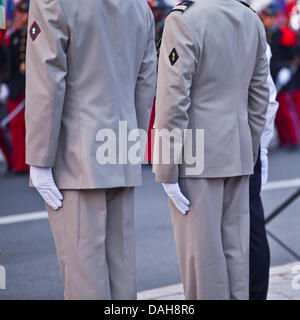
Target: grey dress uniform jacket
<point x="212" y="76"/>
<point x="90" y="65"/>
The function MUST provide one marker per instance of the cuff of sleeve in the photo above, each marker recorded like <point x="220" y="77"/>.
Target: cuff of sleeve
<point x="39" y="161"/>
<point x="166" y="173"/>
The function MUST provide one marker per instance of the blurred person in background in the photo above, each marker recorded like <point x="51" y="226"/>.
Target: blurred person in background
<point x="294" y="17"/>
<point x="4" y="91"/>
<point x="285" y="60"/>
<point x="159" y="9"/>
<point x="259" y="246"/>
<point x="4" y="94"/>
<point x="17" y="68"/>
<point x="2" y="15"/>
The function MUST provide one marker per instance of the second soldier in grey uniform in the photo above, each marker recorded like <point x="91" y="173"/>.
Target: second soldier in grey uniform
<point x="212" y="76"/>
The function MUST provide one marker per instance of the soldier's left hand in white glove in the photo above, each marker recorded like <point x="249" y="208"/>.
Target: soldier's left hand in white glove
<point x="178" y="199"/>
<point x="264" y="166"/>
<point x="42" y="180"/>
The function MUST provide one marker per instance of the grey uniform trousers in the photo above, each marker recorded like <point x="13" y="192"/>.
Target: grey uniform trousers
<point x="95" y="242"/>
<point x="213" y="238"/>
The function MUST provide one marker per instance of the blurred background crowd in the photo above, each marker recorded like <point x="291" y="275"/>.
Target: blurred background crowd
<point x="281" y="19"/>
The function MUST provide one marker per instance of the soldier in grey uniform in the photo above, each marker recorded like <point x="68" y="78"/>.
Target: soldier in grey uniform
<point x="90" y="65"/>
<point x="212" y="76"/>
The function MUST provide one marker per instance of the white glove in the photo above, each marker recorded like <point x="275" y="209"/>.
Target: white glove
<point x="42" y="180"/>
<point x="264" y="166"/>
<point x="4" y="93"/>
<point x="179" y="200"/>
<point x="284" y="76"/>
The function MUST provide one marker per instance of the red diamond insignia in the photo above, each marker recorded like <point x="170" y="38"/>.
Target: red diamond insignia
<point x="34" y="30"/>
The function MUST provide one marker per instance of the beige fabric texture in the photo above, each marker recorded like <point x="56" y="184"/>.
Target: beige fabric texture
<point x="213" y="238"/>
<point x="95" y="242"/>
<point x="92" y="65"/>
<point x="218" y="84"/>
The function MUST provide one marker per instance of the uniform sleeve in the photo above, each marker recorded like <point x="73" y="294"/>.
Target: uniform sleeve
<point x="46" y="70"/>
<point x="272" y="110"/>
<point x="258" y="99"/>
<point x="146" y="82"/>
<point x="177" y="65"/>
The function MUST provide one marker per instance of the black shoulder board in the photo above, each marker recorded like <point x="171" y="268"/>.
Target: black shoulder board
<point x="183" y="6"/>
<point x="247" y="5"/>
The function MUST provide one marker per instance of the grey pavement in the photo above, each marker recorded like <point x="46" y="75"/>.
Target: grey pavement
<point x="29" y="252"/>
<point x="284" y="285"/>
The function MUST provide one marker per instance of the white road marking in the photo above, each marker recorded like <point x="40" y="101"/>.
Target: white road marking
<point x="25" y="217"/>
<point x="283" y="184"/>
<point x="34" y="216"/>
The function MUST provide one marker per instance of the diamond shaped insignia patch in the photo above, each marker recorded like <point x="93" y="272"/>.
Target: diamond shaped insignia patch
<point x="173" y="57"/>
<point x="34" y="30"/>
